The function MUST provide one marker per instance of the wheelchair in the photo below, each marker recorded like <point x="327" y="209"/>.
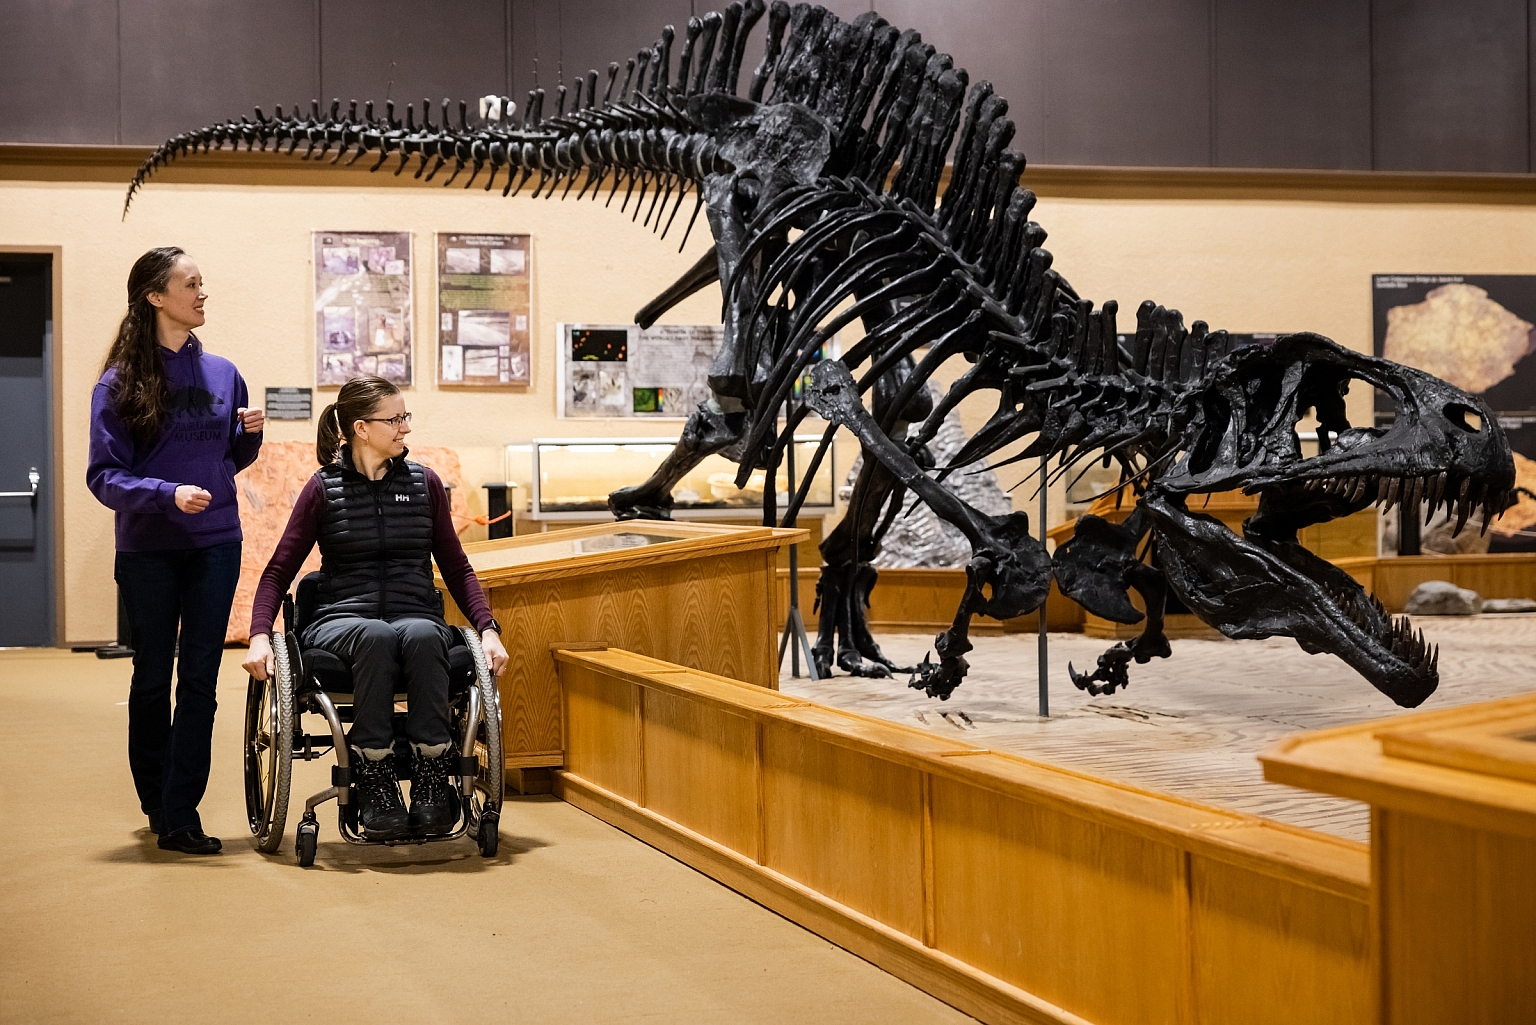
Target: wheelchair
<point x="316" y="681"/>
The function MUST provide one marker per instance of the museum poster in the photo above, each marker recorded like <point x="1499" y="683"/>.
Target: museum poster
<point x="1477" y="331"/>
<point x="621" y="371"/>
<point x="362" y="306"/>
<point x="483" y="289"/>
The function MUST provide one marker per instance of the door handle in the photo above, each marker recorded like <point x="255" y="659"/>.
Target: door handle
<point x="32" y="478"/>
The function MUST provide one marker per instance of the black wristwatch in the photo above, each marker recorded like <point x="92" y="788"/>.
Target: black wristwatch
<point x="494" y="626"/>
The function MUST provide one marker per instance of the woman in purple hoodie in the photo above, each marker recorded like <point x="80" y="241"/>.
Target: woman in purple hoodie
<point x="169" y="431"/>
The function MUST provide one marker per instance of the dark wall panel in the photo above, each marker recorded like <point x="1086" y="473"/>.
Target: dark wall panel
<point x="1293" y="83"/>
<point x="1127" y="83"/>
<point x="1000" y="41"/>
<point x="1451" y="85"/>
<point x="535" y="31"/>
<point x="595" y="32"/>
<point x="192" y="63"/>
<point x="455" y="49"/>
<point x="58" y="71"/>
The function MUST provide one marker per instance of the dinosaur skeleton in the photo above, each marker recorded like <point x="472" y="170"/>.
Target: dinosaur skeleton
<point x="826" y="197"/>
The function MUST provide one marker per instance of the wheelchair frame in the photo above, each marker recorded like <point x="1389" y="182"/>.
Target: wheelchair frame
<point x="273" y="710"/>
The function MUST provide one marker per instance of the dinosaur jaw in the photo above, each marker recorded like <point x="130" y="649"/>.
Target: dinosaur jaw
<point x="1255" y="586"/>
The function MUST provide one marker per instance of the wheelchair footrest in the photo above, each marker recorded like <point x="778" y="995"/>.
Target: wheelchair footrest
<point x="469" y="765"/>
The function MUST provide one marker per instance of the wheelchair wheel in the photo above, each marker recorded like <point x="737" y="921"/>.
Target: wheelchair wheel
<point x="485" y="805"/>
<point x="488" y="836"/>
<point x="269" y="749"/>
<point x="305" y="842"/>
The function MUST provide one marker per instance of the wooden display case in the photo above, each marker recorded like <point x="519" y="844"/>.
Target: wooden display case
<point x="700" y="595"/>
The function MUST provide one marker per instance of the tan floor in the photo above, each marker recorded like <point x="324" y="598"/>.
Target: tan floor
<point x="573" y="922"/>
<point x="1191" y="725"/>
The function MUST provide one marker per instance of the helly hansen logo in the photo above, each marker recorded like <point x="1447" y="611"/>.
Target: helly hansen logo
<point x="402" y="498"/>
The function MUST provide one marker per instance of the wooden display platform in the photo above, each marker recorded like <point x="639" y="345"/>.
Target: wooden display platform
<point x="1392" y="579"/>
<point x="1019" y="891"/>
<point x="700" y="595"/>
<point x="1014" y="890"/>
<point x="1453" y="859"/>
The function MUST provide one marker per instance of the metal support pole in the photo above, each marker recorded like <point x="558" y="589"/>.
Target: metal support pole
<point x="1045" y="697"/>
<point x="795" y="637"/>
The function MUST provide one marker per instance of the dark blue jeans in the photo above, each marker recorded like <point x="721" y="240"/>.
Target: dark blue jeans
<point x="187" y="592"/>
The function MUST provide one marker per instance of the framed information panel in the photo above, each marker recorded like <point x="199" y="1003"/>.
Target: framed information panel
<point x="483" y="310"/>
<point x="362" y="306"/>
<point x="610" y="371"/>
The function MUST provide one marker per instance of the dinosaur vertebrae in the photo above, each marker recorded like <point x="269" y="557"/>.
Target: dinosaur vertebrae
<point x="863" y="78"/>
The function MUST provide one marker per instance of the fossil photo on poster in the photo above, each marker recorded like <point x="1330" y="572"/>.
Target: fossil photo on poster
<point x="362" y="306"/>
<point x="483" y="310"/>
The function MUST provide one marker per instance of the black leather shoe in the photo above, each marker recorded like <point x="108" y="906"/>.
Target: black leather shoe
<point x="190" y="841"/>
<point x="156" y="822"/>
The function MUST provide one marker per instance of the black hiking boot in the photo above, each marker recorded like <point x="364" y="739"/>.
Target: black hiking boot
<point x="381" y="810"/>
<point x="434" y="801"/>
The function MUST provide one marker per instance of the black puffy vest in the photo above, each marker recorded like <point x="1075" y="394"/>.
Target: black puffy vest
<point x="376" y="543"/>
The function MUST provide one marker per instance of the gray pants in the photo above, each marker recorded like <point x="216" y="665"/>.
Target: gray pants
<point x="381" y="653"/>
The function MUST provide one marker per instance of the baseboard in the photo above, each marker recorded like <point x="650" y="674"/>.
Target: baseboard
<point x="958" y="984"/>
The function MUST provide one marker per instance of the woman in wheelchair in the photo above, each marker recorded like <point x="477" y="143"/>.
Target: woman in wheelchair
<point x="380" y="520"/>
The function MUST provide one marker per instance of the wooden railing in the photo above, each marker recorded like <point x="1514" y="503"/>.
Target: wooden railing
<point x="1013" y="890"/>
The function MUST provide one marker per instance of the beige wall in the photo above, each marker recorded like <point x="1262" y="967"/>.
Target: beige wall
<point x="1243" y="264"/>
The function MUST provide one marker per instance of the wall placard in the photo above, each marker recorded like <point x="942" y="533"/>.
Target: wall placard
<point x="484" y="284"/>
<point x="1477" y="331"/>
<point x="620" y="371"/>
<point x="290" y="403"/>
<point x="362" y="306"/>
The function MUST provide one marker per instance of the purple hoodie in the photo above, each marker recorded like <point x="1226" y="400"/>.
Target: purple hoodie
<point x="203" y="443"/>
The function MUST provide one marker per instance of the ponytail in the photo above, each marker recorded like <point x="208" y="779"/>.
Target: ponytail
<point x="358" y="399"/>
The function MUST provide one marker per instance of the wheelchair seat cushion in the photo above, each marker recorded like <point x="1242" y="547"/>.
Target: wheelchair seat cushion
<point x="334" y="676"/>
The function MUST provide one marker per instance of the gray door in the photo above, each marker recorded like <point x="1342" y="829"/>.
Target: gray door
<point x="26" y="465"/>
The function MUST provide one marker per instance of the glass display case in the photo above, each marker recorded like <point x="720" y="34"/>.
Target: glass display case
<point x="570" y="478"/>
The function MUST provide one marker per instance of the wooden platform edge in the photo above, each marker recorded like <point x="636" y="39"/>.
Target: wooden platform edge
<point x="1301" y="856"/>
<point x="1349" y="761"/>
<point x="960" y="985"/>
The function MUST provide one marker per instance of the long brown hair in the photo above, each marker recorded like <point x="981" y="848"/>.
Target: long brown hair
<point x="140" y="395"/>
<point x="358" y="399"/>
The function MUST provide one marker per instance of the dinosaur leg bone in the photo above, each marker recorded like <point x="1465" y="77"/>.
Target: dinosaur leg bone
<point x="1009" y="573"/>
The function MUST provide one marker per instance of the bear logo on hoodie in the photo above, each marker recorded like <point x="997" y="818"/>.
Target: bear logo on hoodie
<point x="193" y="401"/>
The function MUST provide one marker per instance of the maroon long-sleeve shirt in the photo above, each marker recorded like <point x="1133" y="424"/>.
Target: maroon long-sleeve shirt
<point x="303" y="530"/>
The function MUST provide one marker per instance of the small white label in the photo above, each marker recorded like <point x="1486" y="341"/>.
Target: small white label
<point x="520" y="322"/>
<point x="448" y="321"/>
<point x="453" y="363"/>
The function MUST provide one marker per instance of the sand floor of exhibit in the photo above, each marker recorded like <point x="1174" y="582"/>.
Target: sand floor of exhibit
<point x="1191" y="725"/>
<point x="574" y="921"/>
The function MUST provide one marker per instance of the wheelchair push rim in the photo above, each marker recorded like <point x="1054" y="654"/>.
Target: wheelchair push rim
<point x="486" y="799"/>
<point x="269" y="749"/>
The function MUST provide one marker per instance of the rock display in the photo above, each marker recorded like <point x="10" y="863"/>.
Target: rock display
<point x="1509" y="605"/>
<point x="1442" y="598"/>
<point x="1460" y="335"/>
<point x="266" y="491"/>
<point x="918" y="538"/>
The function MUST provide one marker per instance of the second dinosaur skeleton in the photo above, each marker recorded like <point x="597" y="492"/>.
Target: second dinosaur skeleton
<point x="826" y="196"/>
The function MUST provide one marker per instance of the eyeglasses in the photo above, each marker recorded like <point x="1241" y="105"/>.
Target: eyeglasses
<point x="397" y="422"/>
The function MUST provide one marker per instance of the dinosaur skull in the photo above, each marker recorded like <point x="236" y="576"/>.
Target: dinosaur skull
<point x="1442" y="446"/>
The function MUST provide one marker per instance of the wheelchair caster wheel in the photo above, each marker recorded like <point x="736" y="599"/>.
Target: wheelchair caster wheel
<point x="488" y="838"/>
<point x="305" y="842"/>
